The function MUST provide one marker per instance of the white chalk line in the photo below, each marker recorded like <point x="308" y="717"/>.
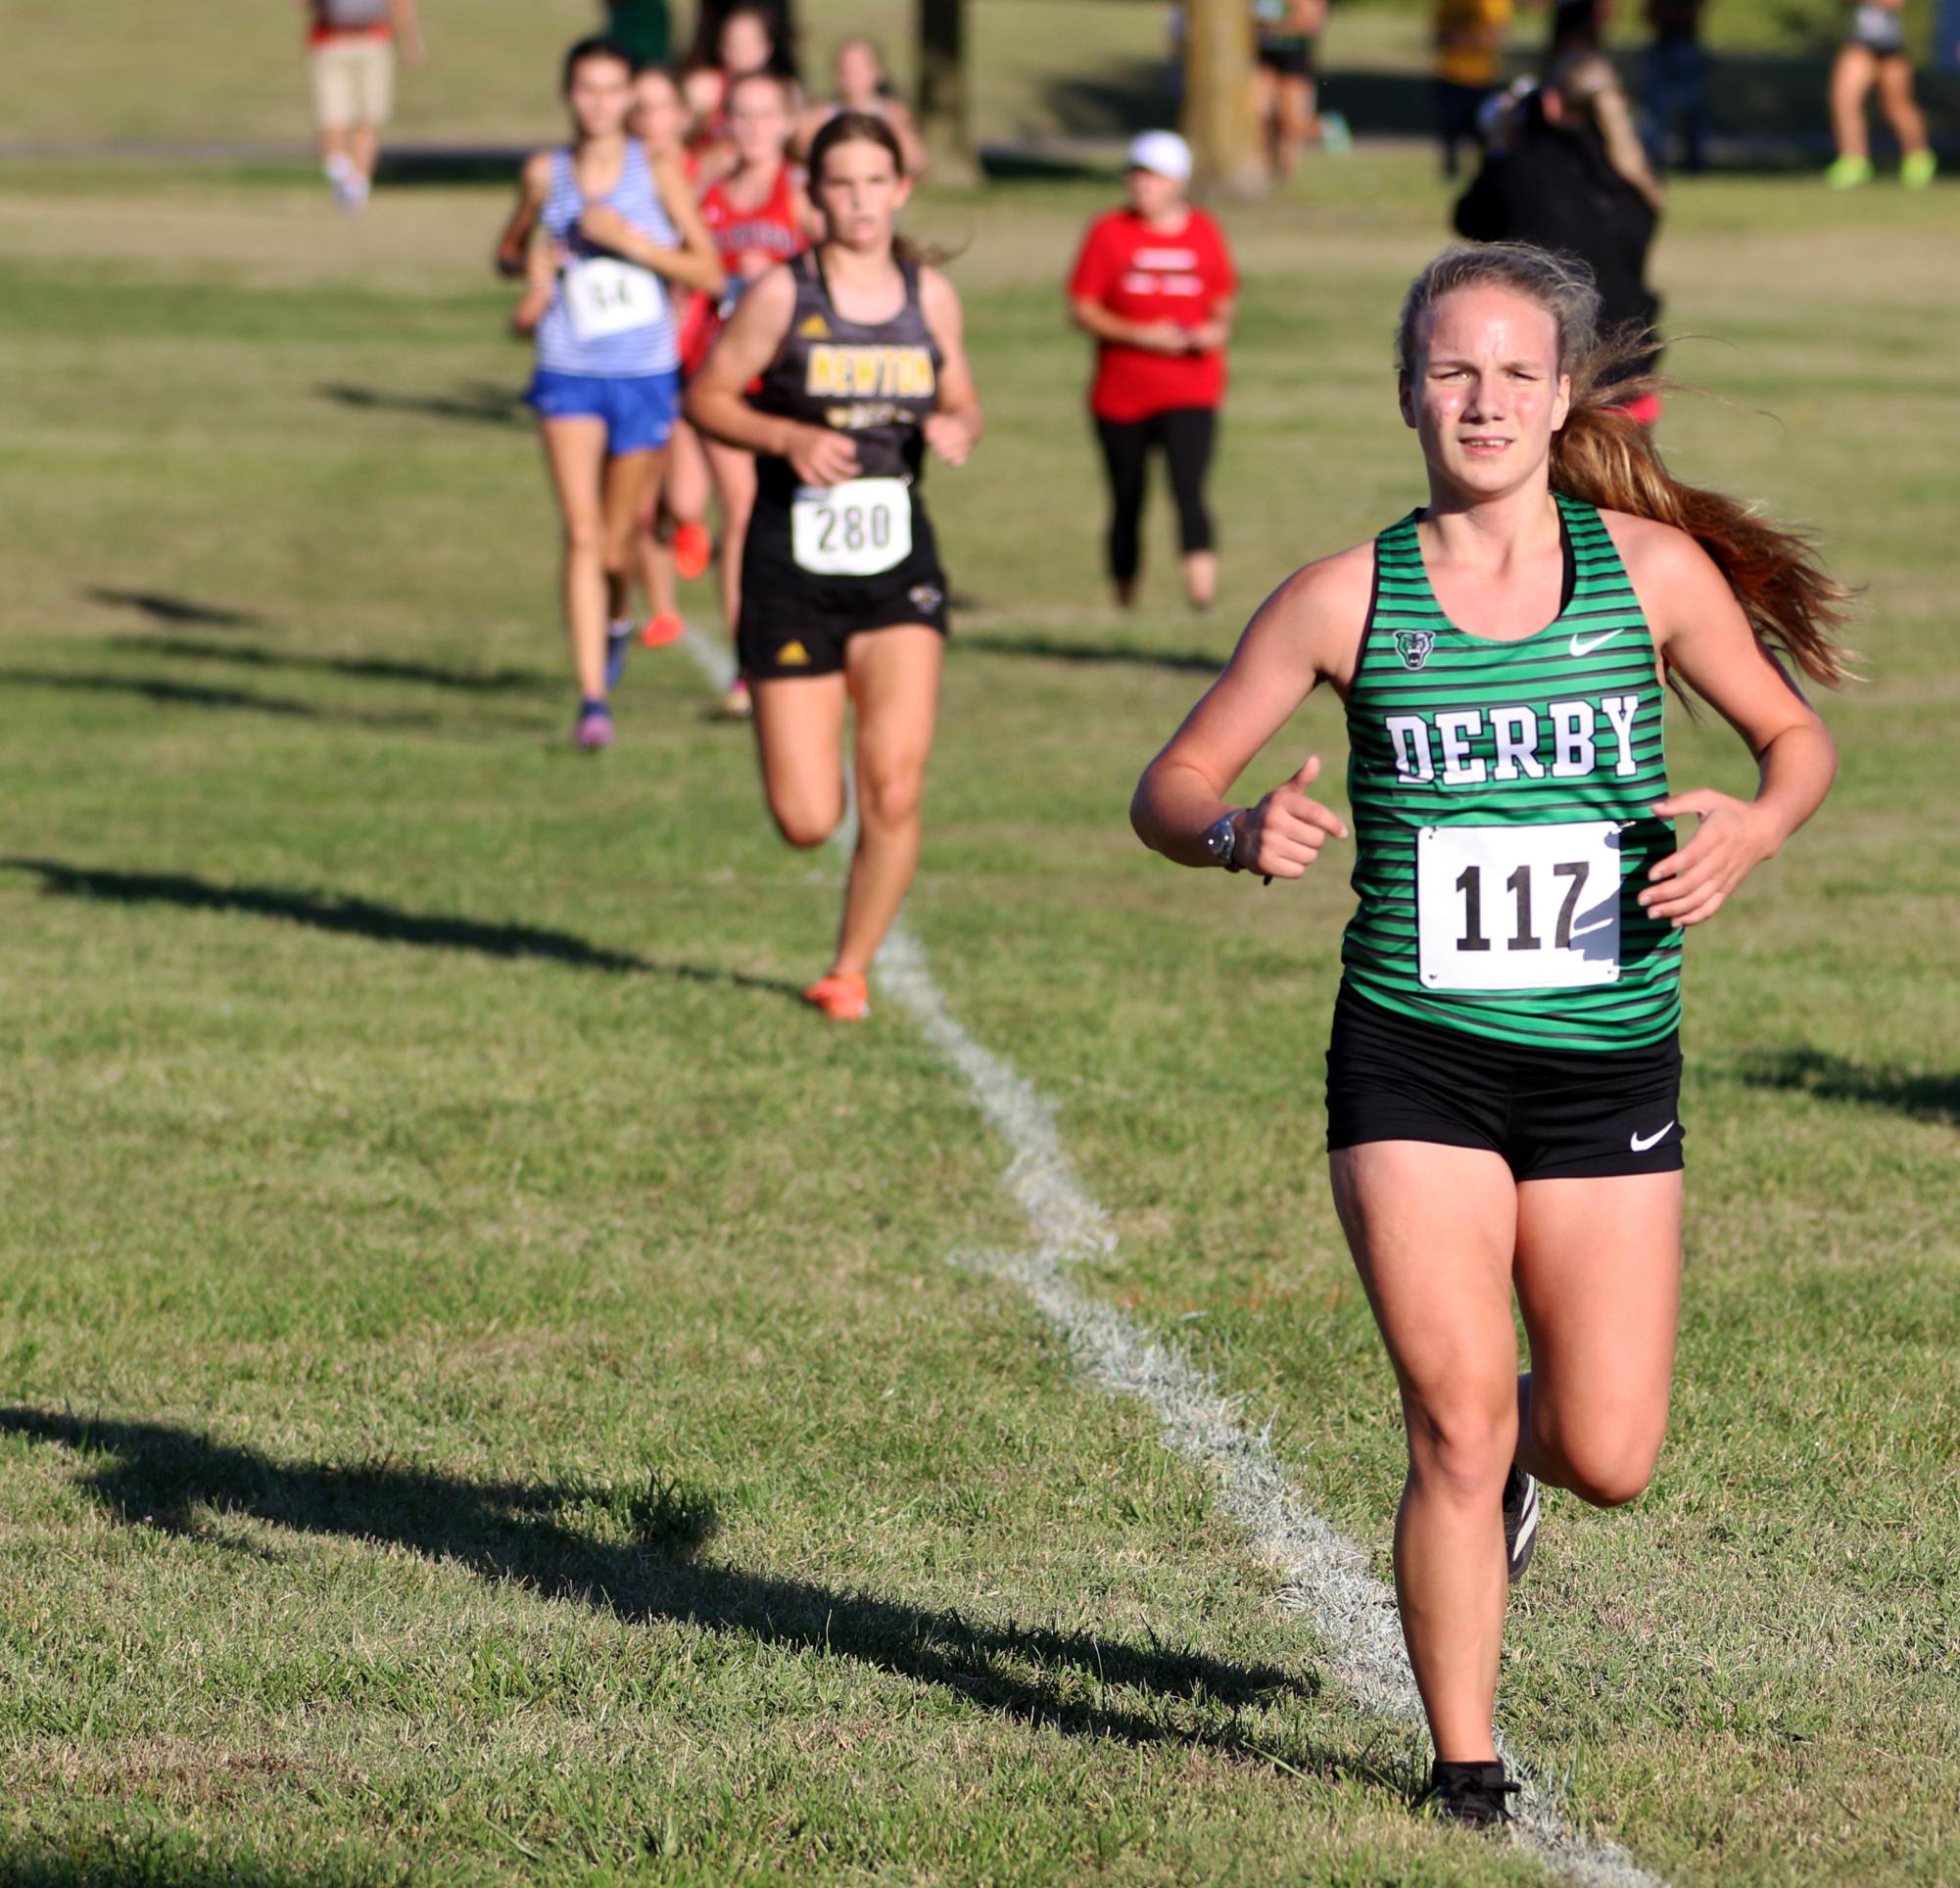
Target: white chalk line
<point x="1326" y="1578"/>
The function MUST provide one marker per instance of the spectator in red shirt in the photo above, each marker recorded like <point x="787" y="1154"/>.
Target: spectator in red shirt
<point x="1154" y="285"/>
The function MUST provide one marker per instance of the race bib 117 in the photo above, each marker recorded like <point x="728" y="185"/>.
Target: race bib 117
<point x="1518" y="907"/>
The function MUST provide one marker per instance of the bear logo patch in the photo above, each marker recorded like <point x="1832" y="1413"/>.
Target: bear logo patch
<point x="1413" y="647"/>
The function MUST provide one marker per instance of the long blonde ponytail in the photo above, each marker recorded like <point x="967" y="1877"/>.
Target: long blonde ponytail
<point x="1606" y="458"/>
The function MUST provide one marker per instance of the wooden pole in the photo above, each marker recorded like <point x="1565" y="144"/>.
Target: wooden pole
<point x="1218" y="97"/>
<point x="945" y="121"/>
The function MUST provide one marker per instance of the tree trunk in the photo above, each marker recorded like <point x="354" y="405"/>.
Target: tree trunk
<point x="944" y="118"/>
<point x="1218" y="97"/>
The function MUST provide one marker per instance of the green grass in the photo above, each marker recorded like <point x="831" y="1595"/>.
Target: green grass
<point x="493" y="1393"/>
<point x="80" y="75"/>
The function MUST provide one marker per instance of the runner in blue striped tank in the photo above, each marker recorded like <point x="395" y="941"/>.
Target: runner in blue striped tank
<point x="610" y="316"/>
<point x="618" y="228"/>
<point x="1504" y="1081"/>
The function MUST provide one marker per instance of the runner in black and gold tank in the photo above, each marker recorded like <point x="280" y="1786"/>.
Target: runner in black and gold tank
<point x="864" y="545"/>
<point x="1504" y="1079"/>
<point x="837" y="370"/>
<point x="1503" y="796"/>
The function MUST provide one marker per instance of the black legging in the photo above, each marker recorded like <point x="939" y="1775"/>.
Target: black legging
<point x="1185" y="434"/>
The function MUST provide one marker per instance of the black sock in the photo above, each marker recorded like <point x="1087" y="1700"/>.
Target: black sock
<point x="1486" y="1771"/>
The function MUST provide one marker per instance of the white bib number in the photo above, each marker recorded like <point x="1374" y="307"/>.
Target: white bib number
<point x="604" y="297"/>
<point x="1518" y="908"/>
<point x="856" y="528"/>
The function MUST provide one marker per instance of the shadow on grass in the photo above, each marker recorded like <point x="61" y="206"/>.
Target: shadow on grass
<point x="1052" y="648"/>
<point x="164" y="694"/>
<point x="162" y="1477"/>
<point x="160" y="1856"/>
<point x="1835" y="1078"/>
<point x="481" y="681"/>
<point x="480" y="403"/>
<point x="365" y="918"/>
<point x="166" y="608"/>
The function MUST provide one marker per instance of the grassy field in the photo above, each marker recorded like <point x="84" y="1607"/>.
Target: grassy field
<point x="489" y="1388"/>
<point x="1038" y="67"/>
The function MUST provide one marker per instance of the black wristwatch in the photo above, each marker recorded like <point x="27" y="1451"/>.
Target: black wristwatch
<point x="1221" y="841"/>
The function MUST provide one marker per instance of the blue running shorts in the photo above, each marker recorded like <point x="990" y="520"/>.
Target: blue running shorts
<point x="639" y="409"/>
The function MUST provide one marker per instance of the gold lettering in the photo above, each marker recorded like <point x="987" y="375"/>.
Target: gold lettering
<point x="839" y="372"/>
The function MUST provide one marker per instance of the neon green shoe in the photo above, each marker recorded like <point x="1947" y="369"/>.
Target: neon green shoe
<point x="1847" y="173"/>
<point x="1916" y="169"/>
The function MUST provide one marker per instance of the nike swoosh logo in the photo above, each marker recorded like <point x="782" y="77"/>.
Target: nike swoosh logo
<point x="1640" y="1143"/>
<point x="1586" y="644"/>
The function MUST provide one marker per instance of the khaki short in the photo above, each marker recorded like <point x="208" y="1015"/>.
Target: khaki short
<point x="354" y="81"/>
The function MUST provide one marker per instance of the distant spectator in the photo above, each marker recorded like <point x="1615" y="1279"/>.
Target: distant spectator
<point x="643" y="29"/>
<point x="744" y="40"/>
<point x="1566" y="172"/>
<point x="1285" y="79"/>
<point x="1469" y="37"/>
<point x="1677" y="82"/>
<point x="858" y="72"/>
<point x="710" y="46"/>
<point x="1154" y="285"/>
<point x="353" y="57"/>
<point x="1875" y="54"/>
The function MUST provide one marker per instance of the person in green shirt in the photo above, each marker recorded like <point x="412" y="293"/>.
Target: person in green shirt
<point x="641" y="28"/>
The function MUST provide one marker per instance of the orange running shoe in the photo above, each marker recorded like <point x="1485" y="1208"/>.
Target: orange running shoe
<point x="692" y="548"/>
<point x="841" y="997"/>
<point x="661" y="630"/>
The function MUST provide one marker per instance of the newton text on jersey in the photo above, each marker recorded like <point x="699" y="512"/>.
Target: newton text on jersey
<point x="837" y="370"/>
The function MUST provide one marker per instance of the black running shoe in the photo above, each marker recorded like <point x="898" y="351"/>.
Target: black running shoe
<point x="1520" y="1521"/>
<point x="1472" y="1793"/>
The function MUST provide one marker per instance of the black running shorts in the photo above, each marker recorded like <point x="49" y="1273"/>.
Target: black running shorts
<point x="800" y="630"/>
<point x="1290" y="55"/>
<point x="1552" y="1115"/>
<point x="793" y="624"/>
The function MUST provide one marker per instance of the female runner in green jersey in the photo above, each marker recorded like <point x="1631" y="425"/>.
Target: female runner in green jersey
<point x="1504" y="1072"/>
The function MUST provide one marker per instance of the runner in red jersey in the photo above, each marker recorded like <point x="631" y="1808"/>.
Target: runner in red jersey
<point x="1154" y="286"/>
<point x="758" y="216"/>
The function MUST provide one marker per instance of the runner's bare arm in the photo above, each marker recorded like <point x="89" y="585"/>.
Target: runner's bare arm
<point x="955" y="429"/>
<point x="697" y="247"/>
<point x="532" y="186"/>
<point x="694" y="263"/>
<point x="718" y="407"/>
<point x="1305" y="632"/>
<point x="1705" y="639"/>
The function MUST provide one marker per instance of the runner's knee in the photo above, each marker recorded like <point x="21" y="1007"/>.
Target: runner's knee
<point x="620" y="549"/>
<point x="890" y="792"/>
<point x="1603" y="1459"/>
<point x="1608" y="1470"/>
<point x="1460" y="1441"/>
<point x="584" y="538"/>
<point x="806" y="822"/>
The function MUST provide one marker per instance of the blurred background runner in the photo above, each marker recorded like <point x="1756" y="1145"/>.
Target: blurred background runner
<point x="352" y="55"/>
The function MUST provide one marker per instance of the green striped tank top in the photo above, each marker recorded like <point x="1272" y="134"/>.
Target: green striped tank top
<point x="1499" y="793"/>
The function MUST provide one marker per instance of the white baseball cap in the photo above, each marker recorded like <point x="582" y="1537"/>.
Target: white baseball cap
<point x="1163" y="152"/>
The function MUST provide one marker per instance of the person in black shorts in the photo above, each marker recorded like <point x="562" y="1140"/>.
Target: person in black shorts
<point x="1874" y="53"/>
<point x="1504" y="1112"/>
<point x="858" y="363"/>
<point x="1285" y="79"/>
